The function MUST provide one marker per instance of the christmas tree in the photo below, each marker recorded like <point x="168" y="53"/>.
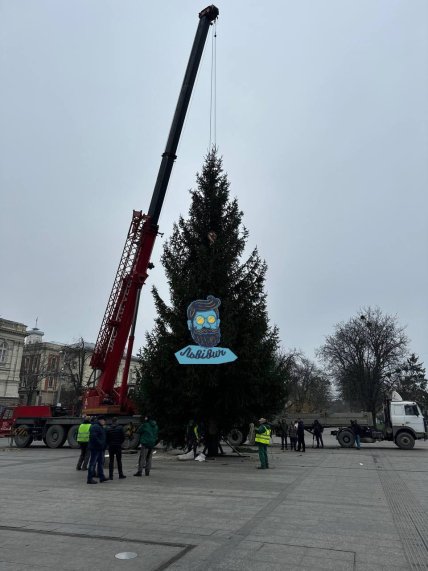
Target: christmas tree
<point x="204" y="257"/>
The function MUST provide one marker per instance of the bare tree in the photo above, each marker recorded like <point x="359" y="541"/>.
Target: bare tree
<point x="361" y="354"/>
<point x="285" y="363"/>
<point x="34" y="368"/>
<point x="74" y="372"/>
<point x="309" y="386"/>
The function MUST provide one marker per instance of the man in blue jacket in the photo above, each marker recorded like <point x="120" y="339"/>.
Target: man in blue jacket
<point x="97" y="445"/>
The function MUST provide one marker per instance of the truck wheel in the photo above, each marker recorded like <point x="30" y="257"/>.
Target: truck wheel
<point x="131" y="441"/>
<point x="72" y="436"/>
<point x="55" y="436"/>
<point x="236" y="437"/>
<point x="404" y="440"/>
<point x="346" y="438"/>
<point x="23" y="438"/>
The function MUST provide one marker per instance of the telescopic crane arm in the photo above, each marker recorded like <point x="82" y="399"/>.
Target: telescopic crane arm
<point x="122" y="307"/>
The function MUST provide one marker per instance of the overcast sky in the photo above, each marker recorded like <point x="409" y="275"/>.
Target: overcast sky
<point x="321" y="121"/>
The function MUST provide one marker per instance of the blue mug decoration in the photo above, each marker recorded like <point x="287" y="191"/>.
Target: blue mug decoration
<point x="203" y="321"/>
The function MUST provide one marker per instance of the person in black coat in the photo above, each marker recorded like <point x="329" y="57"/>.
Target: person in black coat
<point x="356" y="429"/>
<point x="115" y="439"/>
<point x="318" y="429"/>
<point x="301" y="436"/>
<point x="283" y="433"/>
<point x="97" y="445"/>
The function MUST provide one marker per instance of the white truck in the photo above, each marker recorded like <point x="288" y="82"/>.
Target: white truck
<point x="403" y="423"/>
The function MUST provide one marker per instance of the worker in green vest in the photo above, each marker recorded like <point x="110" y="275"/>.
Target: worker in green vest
<point x="192" y="437"/>
<point x="262" y="439"/>
<point x="83" y="441"/>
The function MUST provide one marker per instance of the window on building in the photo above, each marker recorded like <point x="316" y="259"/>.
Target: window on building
<point x="35" y="363"/>
<point x="27" y="364"/>
<point x="52" y="370"/>
<point x="3" y="351"/>
<point x="133" y="376"/>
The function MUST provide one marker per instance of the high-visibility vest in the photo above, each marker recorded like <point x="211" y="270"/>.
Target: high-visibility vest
<point x="83" y="434"/>
<point x="264" y="438"/>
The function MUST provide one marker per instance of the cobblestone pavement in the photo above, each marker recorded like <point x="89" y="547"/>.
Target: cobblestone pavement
<point x="332" y="508"/>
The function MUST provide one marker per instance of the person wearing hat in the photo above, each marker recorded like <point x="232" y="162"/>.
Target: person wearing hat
<point x="97" y="445"/>
<point x="262" y="439"/>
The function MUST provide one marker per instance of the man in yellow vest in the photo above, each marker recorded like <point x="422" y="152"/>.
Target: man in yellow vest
<point x="263" y="433"/>
<point x="83" y="440"/>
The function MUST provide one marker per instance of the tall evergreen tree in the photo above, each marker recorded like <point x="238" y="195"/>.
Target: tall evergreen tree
<point x="203" y="257"/>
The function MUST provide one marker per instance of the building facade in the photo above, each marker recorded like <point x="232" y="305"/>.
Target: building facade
<point x="12" y="335"/>
<point x="53" y="373"/>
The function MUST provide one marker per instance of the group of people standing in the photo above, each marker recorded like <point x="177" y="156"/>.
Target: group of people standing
<point x="197" y="434"/>
<point x="295" y="431"/>
<point x="94" y="438"/>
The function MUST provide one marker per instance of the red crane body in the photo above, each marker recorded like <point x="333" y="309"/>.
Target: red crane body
<point x="118" y="325"/>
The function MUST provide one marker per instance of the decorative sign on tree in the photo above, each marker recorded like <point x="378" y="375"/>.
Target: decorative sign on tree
<point x="203" y="321"/>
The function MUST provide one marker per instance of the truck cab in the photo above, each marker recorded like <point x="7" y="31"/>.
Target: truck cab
<point x="407" y="423"/>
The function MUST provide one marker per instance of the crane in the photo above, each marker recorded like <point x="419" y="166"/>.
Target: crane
<point x="118" y="325"/>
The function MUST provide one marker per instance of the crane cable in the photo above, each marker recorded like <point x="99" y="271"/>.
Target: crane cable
<point x="213" y="93"/>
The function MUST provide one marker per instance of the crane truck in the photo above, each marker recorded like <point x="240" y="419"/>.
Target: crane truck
<point x="51" y="424"/>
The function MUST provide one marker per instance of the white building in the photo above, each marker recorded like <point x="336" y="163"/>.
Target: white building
<point x="12" y="335"/>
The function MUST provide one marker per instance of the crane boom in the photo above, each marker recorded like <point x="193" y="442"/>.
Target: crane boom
<point x="122" y="307"/>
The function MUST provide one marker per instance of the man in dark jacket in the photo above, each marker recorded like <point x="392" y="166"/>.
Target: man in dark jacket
<point x="318" y="429"/>
<point x="283" y="433"/>
<point x="300" y="436"/>
<point x="356" y="429"/>
<point x="292" y="433"/>
<point x="148" y="432"/>
<point x="115" y="438"/>
<point x="97" y="445"/>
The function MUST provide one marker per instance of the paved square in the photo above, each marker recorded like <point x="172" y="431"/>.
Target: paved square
<point x="333" y="508"/>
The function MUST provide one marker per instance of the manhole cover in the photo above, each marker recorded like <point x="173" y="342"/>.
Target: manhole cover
<point x="126" y="555"/>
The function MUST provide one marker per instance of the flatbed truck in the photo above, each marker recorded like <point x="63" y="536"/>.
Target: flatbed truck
<point x="403" y="423"/>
